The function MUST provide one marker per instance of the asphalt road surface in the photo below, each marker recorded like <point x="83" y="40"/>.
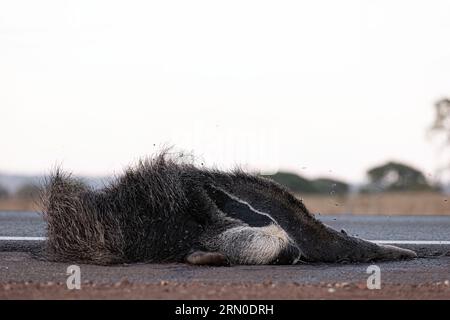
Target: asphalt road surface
<point x="30" y="224"/>
<point x="22" y="275"/>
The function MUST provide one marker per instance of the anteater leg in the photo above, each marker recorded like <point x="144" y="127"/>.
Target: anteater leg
<point x="207" y="258"/>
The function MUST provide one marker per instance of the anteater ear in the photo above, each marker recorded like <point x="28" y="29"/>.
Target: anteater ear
<point x="235" y="207"/>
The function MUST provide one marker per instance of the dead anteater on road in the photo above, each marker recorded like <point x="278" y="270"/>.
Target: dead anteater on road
<point x="167" y="210"/>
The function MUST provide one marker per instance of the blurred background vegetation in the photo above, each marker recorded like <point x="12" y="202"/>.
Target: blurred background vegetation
<point x="391" y="176"/>
<point x="390" y="188"/>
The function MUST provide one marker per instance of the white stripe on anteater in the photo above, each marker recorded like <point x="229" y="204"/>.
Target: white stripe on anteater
<point x="233" y="197"/>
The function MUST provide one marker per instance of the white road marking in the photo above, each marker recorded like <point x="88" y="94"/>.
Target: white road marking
<point x="425" y="242"/>
<point x="23" y="238"/>
<point x="419" y="242"/>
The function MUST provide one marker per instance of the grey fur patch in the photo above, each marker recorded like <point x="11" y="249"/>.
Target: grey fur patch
<point x="252" y="245"/>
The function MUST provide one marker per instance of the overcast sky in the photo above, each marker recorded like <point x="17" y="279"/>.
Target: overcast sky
<point x="318" y="87"/>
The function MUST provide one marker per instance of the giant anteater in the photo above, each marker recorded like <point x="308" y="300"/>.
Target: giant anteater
<point x="168" y="210"/>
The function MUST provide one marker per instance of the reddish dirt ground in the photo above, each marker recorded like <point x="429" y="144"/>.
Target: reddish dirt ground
<point x="198" y="290"/>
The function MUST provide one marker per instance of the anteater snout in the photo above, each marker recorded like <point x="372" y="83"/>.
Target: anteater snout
<point x="389" y="252"/>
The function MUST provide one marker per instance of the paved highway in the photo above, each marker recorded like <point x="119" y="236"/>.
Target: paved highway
<point x="30" y="224"/>
<point x="19" y="265"/>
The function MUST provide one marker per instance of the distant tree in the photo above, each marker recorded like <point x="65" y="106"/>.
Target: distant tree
<point x="28" y="191"/>
<point x="294" y="182"/>
<point x="441" y="122"/>
<point x="394" y="176"/>
<point x="331" y="186"/>
<point x="4" y="193"/>
<point x="299" y="184"/>
<point x="441" y="129"/>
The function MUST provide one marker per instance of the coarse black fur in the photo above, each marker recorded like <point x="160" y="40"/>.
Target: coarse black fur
<point x="164" y="210"/>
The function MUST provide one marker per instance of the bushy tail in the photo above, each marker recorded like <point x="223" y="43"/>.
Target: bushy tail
<point x="77" y="230"/>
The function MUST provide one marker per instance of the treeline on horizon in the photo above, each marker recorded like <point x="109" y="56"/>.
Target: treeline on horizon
<point x="389" y="177"/>
<point x="28" y="191"/>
